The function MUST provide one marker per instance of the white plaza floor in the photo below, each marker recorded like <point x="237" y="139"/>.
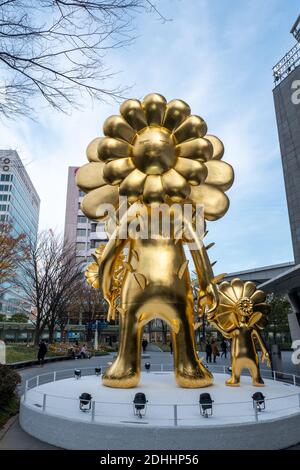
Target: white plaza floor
<point x="232" y="405"/>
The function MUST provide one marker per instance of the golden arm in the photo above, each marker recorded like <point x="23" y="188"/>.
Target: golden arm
<point x="265" y="355"/>
<point x="203" y="269"/>
<point x="112" y="250"/>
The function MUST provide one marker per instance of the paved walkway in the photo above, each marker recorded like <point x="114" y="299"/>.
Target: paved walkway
<point x="16" y="439"/>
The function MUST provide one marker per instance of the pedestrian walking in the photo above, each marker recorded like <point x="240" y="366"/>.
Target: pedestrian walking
<point x="208" y="350"/>
<point x="171" y="347"/>
<point x="224" y="348"/>
<point x="42" y="352"/>
<point x="144" y="344"/>
<point x="215" y="350"/>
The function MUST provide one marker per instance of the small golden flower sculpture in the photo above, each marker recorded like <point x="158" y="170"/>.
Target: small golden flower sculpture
<point x="241" y="313"/>
<point x="241" y="304"/>
<point x="155" y="152"/>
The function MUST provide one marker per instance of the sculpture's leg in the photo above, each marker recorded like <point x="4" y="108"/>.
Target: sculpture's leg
<point x="236" y="369"/>
<point x="189" y="370"/>
<point x="257" y="380"/>
<point x="126" y="369"/>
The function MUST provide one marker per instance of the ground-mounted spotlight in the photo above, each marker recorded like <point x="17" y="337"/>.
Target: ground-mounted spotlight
<point x="139" y="404"/>
<point x="98" y="371"/>
<point x="77" y="374"/>
<point x="147" y="366"/>
<point x="85" y="402"/>
<point x="259" y="401"/>
<point x="205" y="404"/>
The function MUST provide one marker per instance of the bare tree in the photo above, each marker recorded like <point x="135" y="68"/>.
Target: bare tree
<point x="90" y="306"/>
<point x="12" y="249"/>
<point x="63" y="287"/>
<point x="46" y="279"/>
<point x="56" y="49"/>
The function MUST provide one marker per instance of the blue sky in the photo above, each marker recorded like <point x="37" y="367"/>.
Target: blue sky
<point x="217" y="55"/>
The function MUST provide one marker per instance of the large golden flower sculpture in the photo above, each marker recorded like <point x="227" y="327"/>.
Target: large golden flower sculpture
<point x="155" y="152"/>
<point x="241" y="303"/>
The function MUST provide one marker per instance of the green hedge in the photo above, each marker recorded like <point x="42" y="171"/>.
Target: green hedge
<point x="9" y="379"/>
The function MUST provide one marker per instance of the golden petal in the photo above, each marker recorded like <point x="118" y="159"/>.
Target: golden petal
<point x="194" y="172"/>
<point x="154" y="106"/>
<point x="226" y="320"/>
<point x="117" y="127"/>
<point x="112" y="149"/>
<point x="175" y="185"/>
<point x="153" y="189"/>
<point x="115" y="171"/>
<point x="192" y="128"/>
<point x="197" y="149"/>
<point x="249" y="289"/>
<point x="217" y="146"/>
<point x="219" y="174"/>
<point x="258" y="297"/>
<point x="93" y="279"/>
<point x="97" y="203"/>
<point x="176" y="112"/>
<point x="92" y="152"/>
<point x="215" y="202"/>
<point x="90" y="176"/>
<point x="238" y="288"/>
<point x="92" y="268"/>
<point x="225" y="308"/>
<point x="134" y="114"/>
<point x="133" y="184"/>
<point x="227" y="296"/>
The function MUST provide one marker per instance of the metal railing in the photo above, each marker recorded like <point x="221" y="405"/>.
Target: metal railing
<point x="174" y="414"/>
<point x="287" y="64"/>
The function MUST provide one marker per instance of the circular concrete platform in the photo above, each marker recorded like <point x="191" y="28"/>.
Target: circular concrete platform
<point x="51" y="413"/>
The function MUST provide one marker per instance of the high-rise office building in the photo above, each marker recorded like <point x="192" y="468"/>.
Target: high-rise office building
<point x="287" y="108"/>
<point x="20" y="207"/>
<point x="284" y="279"/>
<point x="79" y="230"/>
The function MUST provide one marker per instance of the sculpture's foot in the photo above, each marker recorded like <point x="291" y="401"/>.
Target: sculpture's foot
<point x="233" y="382"/>
<point x="193" y="377"/>
<point x="120" y="377"/>
<point x="258" y="382"/>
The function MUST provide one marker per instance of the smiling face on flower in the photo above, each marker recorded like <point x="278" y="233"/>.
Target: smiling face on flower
<point x="156" y="152"/>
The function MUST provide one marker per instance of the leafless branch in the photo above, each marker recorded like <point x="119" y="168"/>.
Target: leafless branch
<point x="57" y="48"/>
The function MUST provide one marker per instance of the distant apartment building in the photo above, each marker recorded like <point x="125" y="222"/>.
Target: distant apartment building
<point x="80" y="231"/>
<point x="20" y="207"/>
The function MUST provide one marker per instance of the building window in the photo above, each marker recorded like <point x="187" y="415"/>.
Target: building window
<point x="93" y="243"/>
<point x="4" y="187"/>
<point x="3" y="207"/>
<point x="81" y="219"/>
<point x="5" y="177"/>
<point x="81" y="232"/>
<point x="93" y="227"/>
<point x="80" y="246"/>
<point x="3" y="197"/>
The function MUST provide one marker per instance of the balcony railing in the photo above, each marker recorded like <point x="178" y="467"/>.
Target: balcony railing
<point x="287" y="64"/>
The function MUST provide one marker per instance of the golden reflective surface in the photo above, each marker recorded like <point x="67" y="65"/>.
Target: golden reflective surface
<point x="240" y="316"/>
<point x="157" y="152"/>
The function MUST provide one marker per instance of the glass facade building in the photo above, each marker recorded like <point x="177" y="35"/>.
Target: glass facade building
<point x="20" y="207"/>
